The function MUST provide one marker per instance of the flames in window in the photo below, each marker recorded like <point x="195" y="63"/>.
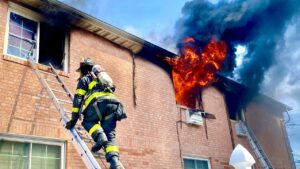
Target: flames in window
<point x="195" y="69"/>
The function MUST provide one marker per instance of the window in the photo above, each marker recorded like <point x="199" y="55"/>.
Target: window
<point x="22" y="36"/>
<point x="29" y="155"/>
<point x="29" y="35"/>
<point x="14" y="155"/>
<point x="45" y="156"/>
<point x="195" y="163"/>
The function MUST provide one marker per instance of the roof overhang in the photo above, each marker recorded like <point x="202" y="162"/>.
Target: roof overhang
<point x="82" y="20"/>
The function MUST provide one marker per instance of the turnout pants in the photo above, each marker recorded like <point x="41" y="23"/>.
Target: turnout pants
<point x="102" y="121"/>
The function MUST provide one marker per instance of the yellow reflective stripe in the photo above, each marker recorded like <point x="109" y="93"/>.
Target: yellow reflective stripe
<point x="92" y="84"/>
<point x="95" y="95"/>
<point x="80" y="92"/>
<point x="75" y="109"/>
<point x="112" y="148"/>
<point x="94" y="128"/>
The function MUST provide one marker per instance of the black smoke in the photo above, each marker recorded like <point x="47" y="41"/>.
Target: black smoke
<point x="257" y="24"/>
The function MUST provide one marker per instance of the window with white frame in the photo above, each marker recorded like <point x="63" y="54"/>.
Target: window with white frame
<point x="31" y="155"/>
<point x="30" y="35"/>
<point x="195" y="163"/>
<point x="22" y="36"/>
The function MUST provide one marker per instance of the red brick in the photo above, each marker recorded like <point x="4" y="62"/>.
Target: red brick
<point x="148" y="138"/>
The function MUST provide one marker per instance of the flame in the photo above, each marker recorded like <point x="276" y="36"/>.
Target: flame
<point x="188" y="39"/>
<point x="192" y="71"/>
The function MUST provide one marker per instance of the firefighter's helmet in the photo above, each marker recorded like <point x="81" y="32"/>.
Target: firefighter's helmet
<point x="87" y="62"/>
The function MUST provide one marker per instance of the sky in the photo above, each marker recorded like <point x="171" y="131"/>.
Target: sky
<point x="150" y="20"/>
<point x="276" y="59"/>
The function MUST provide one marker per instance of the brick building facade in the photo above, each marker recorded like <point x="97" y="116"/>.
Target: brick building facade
<point x="154" y="135"/>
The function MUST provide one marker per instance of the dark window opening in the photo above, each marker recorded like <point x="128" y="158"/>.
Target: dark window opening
<point x="233" y="105"/>
<point x="52" y="46"/>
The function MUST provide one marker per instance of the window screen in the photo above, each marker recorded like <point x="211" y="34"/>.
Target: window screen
<point x="22" y="36"/>
<point x="16" y="155"/>
<point x="195" y="164"/>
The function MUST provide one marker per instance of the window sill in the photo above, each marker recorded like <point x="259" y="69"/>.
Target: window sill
<point x="40" y="66"/>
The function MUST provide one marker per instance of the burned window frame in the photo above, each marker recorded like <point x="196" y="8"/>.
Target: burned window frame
<point x="38" y="18"/>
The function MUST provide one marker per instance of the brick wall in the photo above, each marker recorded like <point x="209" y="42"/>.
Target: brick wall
<point x="242" y="140"/>
<point x="25" y="106"/>
<point x="148" y="138"/>
<point x="268" y="129"/>
<point x="264" y="118"/>
<point x="5" y="105"/>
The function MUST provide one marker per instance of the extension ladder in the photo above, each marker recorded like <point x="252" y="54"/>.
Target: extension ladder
<point x="259" y="152"/>
<point x="77" y="134"/>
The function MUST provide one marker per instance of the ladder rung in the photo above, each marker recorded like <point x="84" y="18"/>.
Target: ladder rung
<point x="53" y="82"/>
<point x="47" y="73"/>
<point x="64" y="101"/>
<point x="79" y="143"/>
<point x="79" y="127"/>
<point x="60" y="91"/>
<point x="82" y="134"/>
<point x="261" y="156"/>
<point x="86" y="139"/>
<point x="99" y="155"/>
<point x="80" y="131"/>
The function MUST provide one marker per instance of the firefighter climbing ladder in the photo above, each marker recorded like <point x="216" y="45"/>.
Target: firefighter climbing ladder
<point x="259" y="152"/>
<point x="77" y="136"/>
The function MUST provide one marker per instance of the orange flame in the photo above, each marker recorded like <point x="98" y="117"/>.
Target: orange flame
<point x="192" y="72"/>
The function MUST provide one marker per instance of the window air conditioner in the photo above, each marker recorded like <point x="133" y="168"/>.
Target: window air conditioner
<point x="194" y="117"/>
<point x="239" y="130"/>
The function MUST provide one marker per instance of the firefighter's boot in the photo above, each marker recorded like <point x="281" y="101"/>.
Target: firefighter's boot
<point x="101" y="141"/>
<point x="115" y="163"/>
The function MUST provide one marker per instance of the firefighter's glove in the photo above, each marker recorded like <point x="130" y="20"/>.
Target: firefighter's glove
<point x="73" y="121"/>
<point x="71" y="124"/>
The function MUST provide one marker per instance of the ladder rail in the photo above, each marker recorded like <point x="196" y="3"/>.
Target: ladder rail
<point x="61" y="81"/>
<point x="260" y="154"/>
<point x="80" y="146"/>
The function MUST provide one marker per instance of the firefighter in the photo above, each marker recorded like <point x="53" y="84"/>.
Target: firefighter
<point x="100" y="116"/>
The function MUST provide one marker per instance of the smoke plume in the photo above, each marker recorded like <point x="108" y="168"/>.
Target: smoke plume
<point x="282" y="81"/>
<point x="258" y="24"/>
